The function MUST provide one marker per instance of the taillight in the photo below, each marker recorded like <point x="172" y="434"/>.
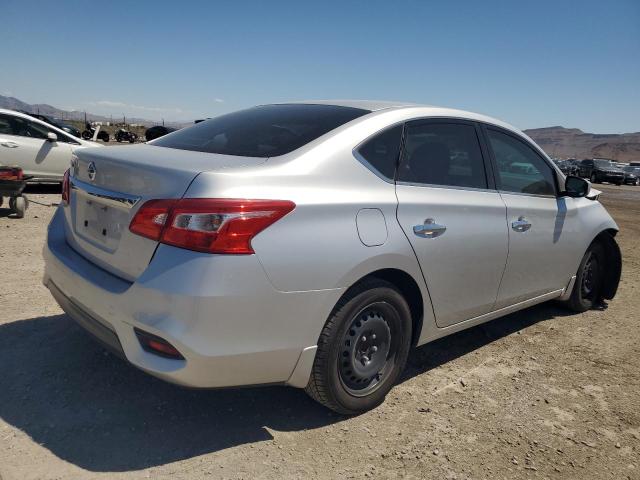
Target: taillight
<point x="66" y="187"/>
<point x="151" y="218"/>
<point x="210" y="225"/>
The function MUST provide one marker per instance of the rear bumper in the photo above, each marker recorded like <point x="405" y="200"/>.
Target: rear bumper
<point x="102" y="332"/>
<point x="221" y="312"/>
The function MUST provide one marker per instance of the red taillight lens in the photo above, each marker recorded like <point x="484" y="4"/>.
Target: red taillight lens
<point x="208" y="224"/>
<point x="151" y="218"/>
<point x="66" y="188"/>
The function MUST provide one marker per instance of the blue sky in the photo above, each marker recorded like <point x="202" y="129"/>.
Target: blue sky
<point x="533" y="64"/>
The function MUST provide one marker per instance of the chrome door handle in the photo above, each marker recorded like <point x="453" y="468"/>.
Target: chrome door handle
<point x="9" y="144"/>
<point x="521" y="225"/>
<point x="430" y="229"/>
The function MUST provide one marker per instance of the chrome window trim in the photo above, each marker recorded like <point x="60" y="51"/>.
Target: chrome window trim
<point x="448" y="187"/>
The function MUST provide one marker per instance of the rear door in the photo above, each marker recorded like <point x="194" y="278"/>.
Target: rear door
<point x="542" y="225"/>
<point x="453" y="217"/>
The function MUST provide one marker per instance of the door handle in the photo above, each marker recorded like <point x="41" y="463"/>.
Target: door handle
<point x="9" y="144"/>
<point x="429" y="229"/>
<point x="521" y="225"/>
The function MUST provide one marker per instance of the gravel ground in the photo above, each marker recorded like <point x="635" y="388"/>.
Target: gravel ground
<point x="537" y="394"/>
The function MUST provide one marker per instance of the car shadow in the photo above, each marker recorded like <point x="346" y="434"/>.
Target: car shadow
<point x="441" y="351"/>
<point x="93" y="410"/>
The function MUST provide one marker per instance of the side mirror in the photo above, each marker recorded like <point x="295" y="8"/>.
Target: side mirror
<point x="576" y="187"/>
<point x="52" y="137"/>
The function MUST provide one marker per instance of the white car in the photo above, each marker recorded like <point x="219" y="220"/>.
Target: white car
<point x="41" y="150"/>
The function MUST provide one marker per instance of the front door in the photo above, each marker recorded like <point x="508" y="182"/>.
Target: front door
<point x="452" y="216"/>
<point x="542" y="226"/>
<point x="24" y="143"/>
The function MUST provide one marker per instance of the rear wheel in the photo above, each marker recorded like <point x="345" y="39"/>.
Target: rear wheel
<point x="587" y="289"/>
<point x="362" y="349"/>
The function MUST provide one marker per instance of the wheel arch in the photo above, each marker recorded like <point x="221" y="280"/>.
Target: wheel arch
<point x="409" y="289"/>
<point x="613" y="267"/>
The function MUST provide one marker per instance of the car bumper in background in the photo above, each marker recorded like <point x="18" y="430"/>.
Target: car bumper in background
<point x="220" y="312"/>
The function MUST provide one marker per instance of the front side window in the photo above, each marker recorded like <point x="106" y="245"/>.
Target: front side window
<point x="520" y="168"/>
<point x="446" y="154"/>
<point x="382" y="150"/>
<point x="266" y="131"/>
<point x="26" y="128"/>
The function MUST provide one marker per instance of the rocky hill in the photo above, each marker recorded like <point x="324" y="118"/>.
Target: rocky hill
<point x="13" y="103"/>
<point x="560" y="142"/>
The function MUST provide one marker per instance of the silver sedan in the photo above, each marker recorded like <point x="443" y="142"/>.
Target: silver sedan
<point x="313" y="244"/>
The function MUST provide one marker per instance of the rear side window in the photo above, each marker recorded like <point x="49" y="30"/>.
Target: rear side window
<point x="266" y="131"/>
<point x="520" y="168"/>
<point x="445" y="154"/>
<point x="382" y="150"/>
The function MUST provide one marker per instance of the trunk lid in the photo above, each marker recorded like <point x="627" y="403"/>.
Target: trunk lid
<point x="108" y="186"/>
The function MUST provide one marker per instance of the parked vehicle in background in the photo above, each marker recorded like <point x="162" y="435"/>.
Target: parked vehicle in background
<point x="600" y="170"/>
<point x="43" y="151"/>
<point x="90" y="131"/>
<point x="123" y="135"/>
<point x="631" y="175"/>
<point x="313" y="244"/>
<point x="567" y="167"/>
<point x="55" y="122"/>
<point x="157" y="131"/>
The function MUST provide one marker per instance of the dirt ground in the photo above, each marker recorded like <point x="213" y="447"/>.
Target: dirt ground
<point x="538" y="394"/>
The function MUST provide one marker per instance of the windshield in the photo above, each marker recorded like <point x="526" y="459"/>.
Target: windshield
<point x="266" y="131"/>
<point x="635" y="170"/>
<point x="603" y="164"/>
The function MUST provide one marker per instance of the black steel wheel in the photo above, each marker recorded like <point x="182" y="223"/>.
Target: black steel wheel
<point x="369" y="349"/>
<point x="362" y="349"/>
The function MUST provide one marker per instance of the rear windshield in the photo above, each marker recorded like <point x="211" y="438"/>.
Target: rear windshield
<point x="266" y="131"/>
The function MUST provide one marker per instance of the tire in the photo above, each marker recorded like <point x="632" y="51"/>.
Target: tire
<point x="1" y="200"/>
<point x="637" y="182"/>
<point x="588" y="285"/>
<point x="86" y="135"/>
<point x="349" y="375"/>
<point x="20" y="206"/>
<point x="594" y="178"/>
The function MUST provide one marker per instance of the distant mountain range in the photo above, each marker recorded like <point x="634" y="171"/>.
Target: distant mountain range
<point x="558" y="142"/>
<point x="13" y="103"/>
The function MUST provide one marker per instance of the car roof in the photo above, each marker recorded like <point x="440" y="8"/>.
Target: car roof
<point x="372" y="105"/>
<point x="417" y="109"/>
